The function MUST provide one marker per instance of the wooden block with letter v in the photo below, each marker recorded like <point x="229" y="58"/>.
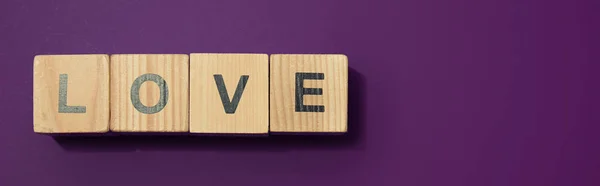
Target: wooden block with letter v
<point x="308" y="93"/>
<point x="70" y="93"/>
<point x="149" y="92"/>
<point x="229" y="93"/>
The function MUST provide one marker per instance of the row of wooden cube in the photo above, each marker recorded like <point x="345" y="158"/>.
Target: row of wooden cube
<point x="196" y="93"/>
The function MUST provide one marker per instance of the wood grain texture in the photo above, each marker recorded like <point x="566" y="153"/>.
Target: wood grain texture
<point x="334" y="98"/>
<point x="87" y="85"/>
<point x="173" y="68"/>
<point x="207" y="111"/>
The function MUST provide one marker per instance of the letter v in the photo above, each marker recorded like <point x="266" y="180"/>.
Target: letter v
<point x="230" y="106"/>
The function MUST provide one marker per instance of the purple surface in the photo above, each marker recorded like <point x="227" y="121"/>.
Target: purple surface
<point x="474" y="93"/>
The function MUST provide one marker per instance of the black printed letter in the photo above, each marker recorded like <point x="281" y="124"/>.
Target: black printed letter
<point x="230" y="106"/>
<point x="301" y="91"/>
<point x="135" y="93"/>
<point x="62" y="97"/>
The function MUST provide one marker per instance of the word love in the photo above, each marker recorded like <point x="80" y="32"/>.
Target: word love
<point x="196" y="93"/>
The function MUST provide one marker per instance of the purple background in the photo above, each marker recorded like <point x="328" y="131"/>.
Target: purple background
<point x="461" y="92"/>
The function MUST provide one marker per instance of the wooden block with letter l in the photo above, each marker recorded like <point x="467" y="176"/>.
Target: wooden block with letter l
<point x="149" y="92"/>
<point x="308" y="93"/>
<point x="70" y="93"/>
<point x="229" y="93"/>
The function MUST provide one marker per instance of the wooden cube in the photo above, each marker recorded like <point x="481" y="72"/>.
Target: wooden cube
<point x="229" y="93"/>
<point x="149" y="92"/>
<point x="308" y="93"/>
<point x="70" y="93"/>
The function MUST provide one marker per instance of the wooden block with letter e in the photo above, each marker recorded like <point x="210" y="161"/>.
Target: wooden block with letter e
<point x="70" y="93"/>
<point x="308" y="93"/>
<point x="149" y="92"/>
<point x="229" y="93"/>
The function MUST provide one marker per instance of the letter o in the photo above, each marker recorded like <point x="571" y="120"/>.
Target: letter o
<point x="135" y="93"/>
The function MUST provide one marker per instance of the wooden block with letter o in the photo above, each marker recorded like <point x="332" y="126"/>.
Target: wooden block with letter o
<point x="149" y="92"/>
<point x="71" y="93"/>
<point x="308" y="93"/>
<point x="229" y="93"/>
